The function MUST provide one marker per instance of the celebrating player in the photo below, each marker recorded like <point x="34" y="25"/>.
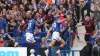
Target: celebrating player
<point x="55" y="34"/>
<point x="31" y="27"/>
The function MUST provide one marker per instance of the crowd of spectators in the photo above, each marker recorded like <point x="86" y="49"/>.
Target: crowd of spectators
<point x="15" y="14"/>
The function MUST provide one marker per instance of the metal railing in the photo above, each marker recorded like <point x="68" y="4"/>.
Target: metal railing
<point x="72" y="52"/>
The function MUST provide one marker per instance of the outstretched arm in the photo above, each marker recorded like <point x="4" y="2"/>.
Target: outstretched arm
<point x="60" y="21"/>
<point x="41" y="23"/>
<point x="10" y="37"/>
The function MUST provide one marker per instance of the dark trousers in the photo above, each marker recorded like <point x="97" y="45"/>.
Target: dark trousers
<point x="86" y="51"/>
<point x="78" y="14"/>
<point x="87" y="37"/>
<point x="86" y="7"/>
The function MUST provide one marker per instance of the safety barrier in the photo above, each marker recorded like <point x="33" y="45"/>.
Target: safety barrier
<point x="72" y="51"/>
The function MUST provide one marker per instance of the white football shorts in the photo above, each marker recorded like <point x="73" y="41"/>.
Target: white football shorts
<point x="56" y="36"/>
<point x="29" y="37"/>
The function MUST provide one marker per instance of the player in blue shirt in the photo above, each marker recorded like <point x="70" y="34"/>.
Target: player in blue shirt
<point x="30" y="30"/>
<point x="55" y="34"/>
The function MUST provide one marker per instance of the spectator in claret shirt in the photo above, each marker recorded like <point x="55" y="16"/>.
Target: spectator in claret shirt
<point x="49" y="18"/>
<point x="89" y="26"/>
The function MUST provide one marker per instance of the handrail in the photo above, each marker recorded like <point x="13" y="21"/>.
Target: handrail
<point x="73" y="51"/>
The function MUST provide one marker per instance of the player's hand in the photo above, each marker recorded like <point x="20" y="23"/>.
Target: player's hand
<point x="46" y="37"/>
<point x="16" y="44"/>
<point x="46" y="21"/>
<point x="69" y="30"/>
<point x="13" y="39"/>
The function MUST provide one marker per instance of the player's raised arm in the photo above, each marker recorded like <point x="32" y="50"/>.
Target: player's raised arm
<point x="60" y="21"/>
<point x="11" y="38"/>
<point x="41" y="23"/>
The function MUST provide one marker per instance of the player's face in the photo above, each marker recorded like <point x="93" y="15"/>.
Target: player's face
<point x="57" y="15"/>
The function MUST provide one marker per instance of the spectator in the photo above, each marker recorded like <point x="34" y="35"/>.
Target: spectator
<point x="3" y="37"/>
<point x="76" y="10"/>
<point x="86" y="6"/>
<point x="49" y="19"/>
<point x="39" y="21"/>
<point x="44" y="43"/>
<point x="89" y="26"/>
<point x="96" y="50"/>
<point x="96" y="13"/>
<point x="3" y="34"/>
<point x="2" y="22"/>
